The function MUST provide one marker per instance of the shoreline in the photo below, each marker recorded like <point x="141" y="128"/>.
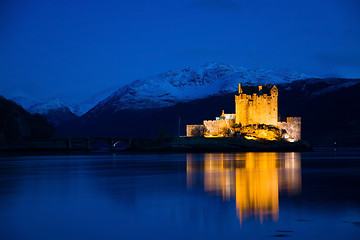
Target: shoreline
<point x="225" y="144"/>
<point x="163" y="145"/>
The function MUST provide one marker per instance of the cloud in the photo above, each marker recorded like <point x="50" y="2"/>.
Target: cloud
<point x="215" y="4"/>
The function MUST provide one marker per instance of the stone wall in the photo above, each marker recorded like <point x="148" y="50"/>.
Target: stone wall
<point x="214" y="127"/>
<point x="195" y="130"/>
<point x="292" y="126"/>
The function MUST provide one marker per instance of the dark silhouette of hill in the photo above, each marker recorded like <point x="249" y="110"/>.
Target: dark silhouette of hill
<point x="17" y="123"/>
<point x="327" y="116"/>
<point x="59" y="116"/>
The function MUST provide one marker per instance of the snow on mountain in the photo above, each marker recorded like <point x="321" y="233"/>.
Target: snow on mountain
<point x="84" y="106"/>
<point x="182" y="86"/>
<point x="44" y="108"/>
<point x="35" y="106"/>
<point x="55" y="111"/>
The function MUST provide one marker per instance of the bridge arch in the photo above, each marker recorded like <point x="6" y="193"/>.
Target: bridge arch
<point x="120" y="145"/>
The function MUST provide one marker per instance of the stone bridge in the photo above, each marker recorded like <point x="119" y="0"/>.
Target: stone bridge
<point x="64" y="144"/>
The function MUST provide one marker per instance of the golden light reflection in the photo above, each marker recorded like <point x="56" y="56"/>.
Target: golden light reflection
<point x="255" y="180"/>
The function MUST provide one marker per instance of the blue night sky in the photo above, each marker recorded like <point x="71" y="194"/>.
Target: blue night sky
<point x="73" y="49"/>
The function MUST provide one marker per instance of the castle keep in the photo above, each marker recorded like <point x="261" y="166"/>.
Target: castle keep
<point x="256" y="116"/>
<point x="256" y="105"/>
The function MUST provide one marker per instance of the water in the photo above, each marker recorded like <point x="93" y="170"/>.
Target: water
<point x="182" y="196"/>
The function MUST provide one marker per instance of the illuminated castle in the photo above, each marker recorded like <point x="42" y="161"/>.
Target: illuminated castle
<point x="255" y="108"/>
<point x="257" y="105"/>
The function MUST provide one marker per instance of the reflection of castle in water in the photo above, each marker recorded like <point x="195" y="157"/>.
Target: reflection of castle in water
<point x="253" y="179"/>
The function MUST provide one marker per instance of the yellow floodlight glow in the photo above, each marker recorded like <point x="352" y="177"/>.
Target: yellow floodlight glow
<point x="250" y="138"/>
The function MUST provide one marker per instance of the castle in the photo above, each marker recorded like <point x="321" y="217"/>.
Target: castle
<point x="256" y="115"/>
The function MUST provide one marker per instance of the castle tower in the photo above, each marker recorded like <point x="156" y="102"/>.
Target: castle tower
<point x="256" y="105"/>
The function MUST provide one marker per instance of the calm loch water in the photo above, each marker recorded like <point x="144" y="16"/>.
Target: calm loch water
<point x="182" y="196"/>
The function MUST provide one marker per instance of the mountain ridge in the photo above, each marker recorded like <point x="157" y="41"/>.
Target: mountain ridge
<point x="169" y="88"/>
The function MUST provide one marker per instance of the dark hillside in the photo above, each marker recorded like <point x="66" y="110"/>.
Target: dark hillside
<point x="329" y="117"/>
<point x="16" y="123"/>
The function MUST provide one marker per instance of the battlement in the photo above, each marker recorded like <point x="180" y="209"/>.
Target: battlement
<point x="293" y="119"/>
<point x="267" y="89"/>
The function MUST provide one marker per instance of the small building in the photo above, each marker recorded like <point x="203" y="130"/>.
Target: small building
<point x="211" y="127"/>
<point x="220" y="124"/>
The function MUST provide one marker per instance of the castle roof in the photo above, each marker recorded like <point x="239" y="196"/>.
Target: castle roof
<point x="259" y="90"/>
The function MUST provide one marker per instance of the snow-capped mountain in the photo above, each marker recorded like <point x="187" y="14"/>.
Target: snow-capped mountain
<point x="44" y="108"/>
<point x="55" y="110"/>
<point x="172" y="87"/>
<point x="84" y="106"/>
<point x="79" y="108"/>
<point x="35" y="106"/>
